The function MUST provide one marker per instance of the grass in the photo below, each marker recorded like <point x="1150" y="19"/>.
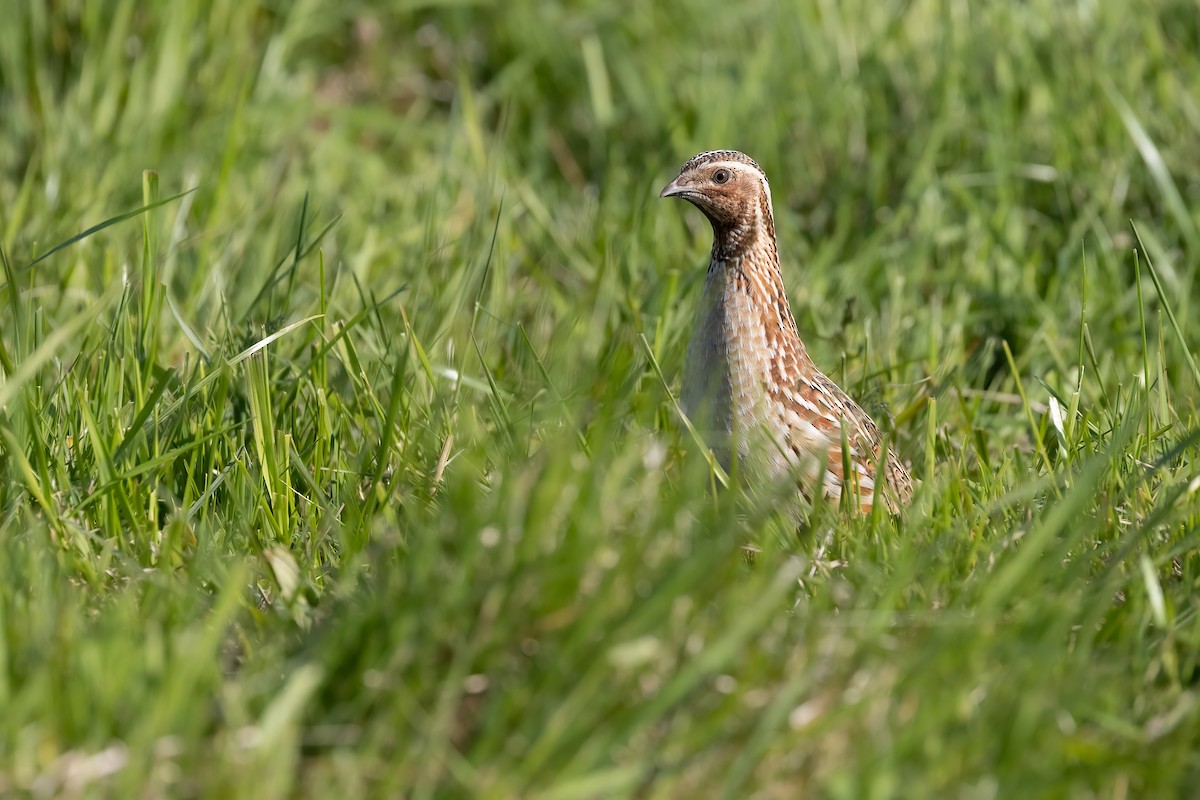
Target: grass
<point x="339" y="448"/>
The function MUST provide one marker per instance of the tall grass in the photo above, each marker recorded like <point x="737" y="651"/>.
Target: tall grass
<point x="337" y="427"/>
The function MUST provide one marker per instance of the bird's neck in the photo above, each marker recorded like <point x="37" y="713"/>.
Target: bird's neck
<point x="745" y="261"/>
<point x="744" y="274"/>
<point x="749" y="231"/>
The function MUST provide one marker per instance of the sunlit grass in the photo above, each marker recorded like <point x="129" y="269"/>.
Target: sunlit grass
<point x="340" y="348"/>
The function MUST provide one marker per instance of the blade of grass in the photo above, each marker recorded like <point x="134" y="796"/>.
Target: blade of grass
<point x="1166" y="304"/>
<point x="128" y="215"/>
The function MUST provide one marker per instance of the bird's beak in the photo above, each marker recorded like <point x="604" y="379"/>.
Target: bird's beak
<point x="673" y="189"/>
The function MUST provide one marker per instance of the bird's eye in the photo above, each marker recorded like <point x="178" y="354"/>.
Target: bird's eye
<point x="721" y="176"/>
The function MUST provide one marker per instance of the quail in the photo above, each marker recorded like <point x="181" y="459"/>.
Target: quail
<point x="748" y="378"/>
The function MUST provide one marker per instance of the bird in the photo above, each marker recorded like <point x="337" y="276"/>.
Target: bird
<point x="748" y="379"/>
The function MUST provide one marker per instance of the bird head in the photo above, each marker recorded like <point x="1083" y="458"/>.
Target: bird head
<point x="732" y="191"/>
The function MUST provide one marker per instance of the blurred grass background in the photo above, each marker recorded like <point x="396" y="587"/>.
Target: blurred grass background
<point x="336" y="461"/>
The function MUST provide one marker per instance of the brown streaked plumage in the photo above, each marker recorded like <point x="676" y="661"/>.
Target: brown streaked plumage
<point x="748" y="376"/>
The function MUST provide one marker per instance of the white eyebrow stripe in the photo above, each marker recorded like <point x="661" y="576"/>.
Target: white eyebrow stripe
<point x="734" y="165"/>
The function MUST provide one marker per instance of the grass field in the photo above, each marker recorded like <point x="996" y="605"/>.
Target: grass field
<point x="340" y="456"/>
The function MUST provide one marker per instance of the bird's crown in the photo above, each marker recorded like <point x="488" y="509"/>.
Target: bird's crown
<point x="713" y="156"/>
